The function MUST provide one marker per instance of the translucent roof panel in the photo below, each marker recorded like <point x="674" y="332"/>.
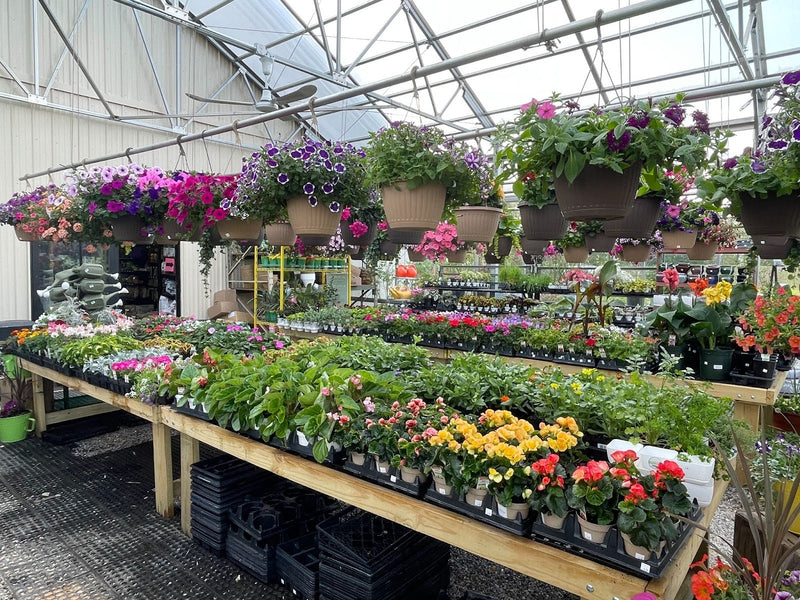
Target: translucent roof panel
<point x="699" y="46"/>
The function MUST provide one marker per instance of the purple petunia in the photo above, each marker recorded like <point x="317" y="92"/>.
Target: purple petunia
<point x="618" y="144"/>
<point x="92" y="207"/>
<point x="730" y="163"/>
<point x="106" y="189"/>
<point x="327" y="188"/>
<point x="675" y="113"/>
<point x="796" y="132"/>
<point x="114" y="206"/>
<point x="334" y="206"/>
<point x="339" y="168"/>
<point x="701" y="123"/>
<point x="791" y="78"/>
<point x="639" y="119"/>
<point x="757" y="166"/>
<point x="323" y="154"/>
<point x="283" y="178"/>
<point x="778" y="144"/>
<point x="308" y="188"/>
<point x="312" y="200"/>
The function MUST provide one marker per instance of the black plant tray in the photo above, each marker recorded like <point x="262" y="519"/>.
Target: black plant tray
<point x="486" y="512"/>
<point x="196" y="412"/>
<point x="751" y="380"/>
<point x="297" y="563"/>
<point x="215" y="549"/>
<point x="258" y="559"/>
<point x="612" y="364"/>
<point x="391" y="479"/>
<point x="437" y="343"/>
<point x="335" y="457"/>
<point x="213" y="521"/>
<point x="612" y="551"/>
<point x="222" y="472"/>
<point x="573" y="358"/>
<point x="208" y="540"/>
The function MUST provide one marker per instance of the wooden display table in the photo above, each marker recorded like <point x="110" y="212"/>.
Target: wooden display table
<point x="572" y="573"/>
<point x="43" y="379"/>
<point x="747" y="400"/>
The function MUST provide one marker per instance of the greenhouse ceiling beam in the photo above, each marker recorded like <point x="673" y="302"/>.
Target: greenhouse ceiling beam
<point x="211" y="10"/>
<point x="612" y="38"/>
<point x="598" y="79"/>
<point x="64" y="52"/>
<point x="728" y="33"/>
<point x="324" y="37"/>
<point x="469" y="94"/>
<point x="77" y="58"/>
<point x="153" y="66"/>
<point x="14" y="77"/>
<point x="612" y="16"/>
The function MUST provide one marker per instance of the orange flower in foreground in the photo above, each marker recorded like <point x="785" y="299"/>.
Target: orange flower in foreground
<point x="698" y="285"/>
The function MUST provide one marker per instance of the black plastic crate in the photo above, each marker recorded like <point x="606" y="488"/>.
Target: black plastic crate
<point x="297" y="564"/>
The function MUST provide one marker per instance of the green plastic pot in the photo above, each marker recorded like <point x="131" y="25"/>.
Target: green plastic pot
<point x="14" y="429"/>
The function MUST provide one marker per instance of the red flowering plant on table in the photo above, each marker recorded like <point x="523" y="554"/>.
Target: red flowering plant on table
<point x="549" y="486"/>
<point x="771" y="324"/>
<point x="645" y="512"/>
<point x="437" y="243"/>
<point x="598" y="487"/>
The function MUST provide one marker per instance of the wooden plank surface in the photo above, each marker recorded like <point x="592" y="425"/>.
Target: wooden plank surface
<point x="540" y="561"/>
<point x="190" y="454"/>
<point x="162" y="469"/>
<point x="79" y="412"/>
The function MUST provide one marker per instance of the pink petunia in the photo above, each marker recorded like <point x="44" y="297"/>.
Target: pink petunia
<point x="546" y="110"/>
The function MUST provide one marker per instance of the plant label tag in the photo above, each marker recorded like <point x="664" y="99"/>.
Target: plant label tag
<point x="602" y="353"/>
<point x="643" y="566"/>
<point x="483" y="483"/>
<point x="587" y="536"/>
<point x="502" y="511"/>
<point x="302" y="439"/>
<point x="382" y="470"/>
<point x="488" y="512"/>
<point x="571" y="349"/>
<point x="639" y="556"/>
<point x="282" y="581"/>
<point x="393" y="478"/>
<point x="602" y="446"/>
<point x="673" y="340"/>
<point x="437" y="471"/>
<point x="561" y="348"/>
<point x="718" y="367"/>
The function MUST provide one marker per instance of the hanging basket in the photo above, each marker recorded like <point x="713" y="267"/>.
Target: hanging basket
<point x="25" y="236"/>
<point x="546" y="223"/>
<point x="504" y="244"/>
<point x="702" y="251"/>
<point x="534" y="247"/>
<point x="415" y="256"/>
<point x="363" y="240"/>
<point x="635" y="252"/>
<point x="477" y="223"/>
<point x="248" y="232"/>
<point x="280" y="234"/>
<point x="678" y="240"/>
<point x="419" y="209"/>
<point x="129" y="228"/>
<point x="167" y="233"/>
<point x="777" y="216"/>
<point x="639" y="222"/>
<point x="389" y="248"/>
<point x="600" y="242"/>
<point x="772" y="248"/>
<point x="456" y="256"/>
<point x="313" y="224"/>
<point x="404" y="237"/>
<point x="576" y="254"/>
<point x="598" y="193"/>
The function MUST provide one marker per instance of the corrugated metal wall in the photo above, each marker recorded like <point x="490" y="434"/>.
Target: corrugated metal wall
<point x="35" y="137"/>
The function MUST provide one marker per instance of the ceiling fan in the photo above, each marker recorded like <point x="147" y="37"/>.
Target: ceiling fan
<point x="269" y="100"/>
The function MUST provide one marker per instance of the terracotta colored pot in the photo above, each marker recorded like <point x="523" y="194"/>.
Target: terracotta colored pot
<point x="593" y="532"/>
<point x="546" y="223"/>
<point x="639" y="222"/>
<point x="477" y="223"/>
<point x="702" y="251"/>
<point x="678" y="240"/>
<point x="598" y="193"/>
<point x="314" y="224"/>
<point x="280" y="234"/>
<point x="552" y="521"/>
<point x="517" y="509"/>
<point x="419" y="209"/>
<point x="635" y="253"/>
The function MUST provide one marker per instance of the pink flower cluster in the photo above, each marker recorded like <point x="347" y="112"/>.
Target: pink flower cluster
<point x="435" y="244"/>
<point x="135" y="365"/>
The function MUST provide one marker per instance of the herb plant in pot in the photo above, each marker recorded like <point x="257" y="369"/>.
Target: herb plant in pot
<point x="15" y="394"/>
<point x="596" y="156"/>
<point x="763" y="185"/>
<point x="415" y="172"/>
<point x="311" y="181"/>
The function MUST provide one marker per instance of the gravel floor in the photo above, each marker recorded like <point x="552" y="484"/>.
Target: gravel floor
<point x="467" y="571"/>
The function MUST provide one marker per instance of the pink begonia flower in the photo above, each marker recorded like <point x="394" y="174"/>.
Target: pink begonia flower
<point x="525" y="107"/>
<point x="546" y="110"/>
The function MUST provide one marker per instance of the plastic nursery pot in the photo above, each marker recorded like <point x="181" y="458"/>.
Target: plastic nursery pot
<point x="678" y="240"/>
<point x="715" y="365"/>
<point x="598" y="193"/>
<point x="15" y="429"/>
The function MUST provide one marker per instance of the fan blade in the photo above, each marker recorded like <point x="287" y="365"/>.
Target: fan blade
<point x="299" y="94"/>
<point x="213" y="101"/>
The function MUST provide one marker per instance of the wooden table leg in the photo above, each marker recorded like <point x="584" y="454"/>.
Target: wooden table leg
<point x="39" y="412"/>
<point x="162" y="467"/>
<point x="190" y="453"/>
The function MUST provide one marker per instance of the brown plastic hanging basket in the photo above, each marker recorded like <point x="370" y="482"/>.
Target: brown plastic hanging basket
<point x="777" y="216"/>
<point x="404" y="237"/>
<point x="576" y="254"/>
<point x="244" y="231"/>
<point x="773" y="248"/>
<point x="702" y="251"/>
<point x="600" y="242"/>
<point x="314" y="224"/>
<point x="363" y="240"/>
<point x="477" y="223"/>
<point x="546" y="223"/>
<point x="419" y="209"/>
<point x="678" y="240"/>
<point x="598" y="193"/>
<point x="280" y="234"/>
<point x="640" y="220"/>
<point x="635" y="252"/>
<point x="25" y="236"/>
<point x="129" y="228"/>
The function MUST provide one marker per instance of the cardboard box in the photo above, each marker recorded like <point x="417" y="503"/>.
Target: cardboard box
<point x="225" y="296"/>
<point x="238" y="316"/>
<point x="221" y="309"/>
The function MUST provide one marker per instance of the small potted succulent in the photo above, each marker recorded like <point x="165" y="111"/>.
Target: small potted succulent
<point x="416" y="172"/>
